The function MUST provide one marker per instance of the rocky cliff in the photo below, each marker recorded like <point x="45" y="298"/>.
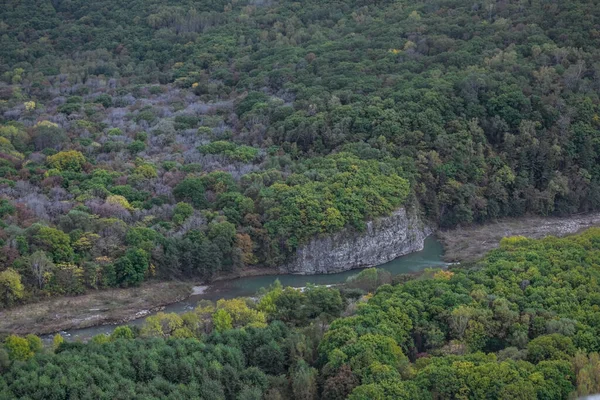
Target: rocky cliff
<point x="383" y="240"/>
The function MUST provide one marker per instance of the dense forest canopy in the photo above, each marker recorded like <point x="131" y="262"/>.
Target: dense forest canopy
<point x="523" y="323"/>
<point x="180" y="138"/>
<point x="176" y="138"/>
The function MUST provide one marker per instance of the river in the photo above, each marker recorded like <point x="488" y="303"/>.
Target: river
<point x="430" y="256"/>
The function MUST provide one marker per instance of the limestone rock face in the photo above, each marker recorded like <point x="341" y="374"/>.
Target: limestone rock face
<point x="383" y="240"/>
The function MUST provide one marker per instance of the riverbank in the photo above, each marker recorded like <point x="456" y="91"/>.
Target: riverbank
<point x="107" y="307"/>
<point x="247" y="286"/>
<point x="104" y="307"/>
<point x="114" y="306"/>
<point x="473" y="242"/>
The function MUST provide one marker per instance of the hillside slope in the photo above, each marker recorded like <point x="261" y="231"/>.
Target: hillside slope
<point x="186" y="139"/>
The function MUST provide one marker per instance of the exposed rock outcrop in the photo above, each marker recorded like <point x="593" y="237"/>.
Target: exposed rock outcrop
<point x="383" y="240"/>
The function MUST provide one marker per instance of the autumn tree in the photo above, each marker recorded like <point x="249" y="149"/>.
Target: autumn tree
<point x="70" y="160"/>
<point x="18" y="348"/>
<point x="11" y="288"/>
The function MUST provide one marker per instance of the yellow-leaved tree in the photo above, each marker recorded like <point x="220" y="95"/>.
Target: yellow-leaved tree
<point x="119" y="200"/>
<point x="71" y="160"/>
<point x="240" y="313"/>
<point x="11" y="288"/>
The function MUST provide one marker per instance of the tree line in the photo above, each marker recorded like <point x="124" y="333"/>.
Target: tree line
<point x="187" y="140"/>
<point x="522" y="323"/>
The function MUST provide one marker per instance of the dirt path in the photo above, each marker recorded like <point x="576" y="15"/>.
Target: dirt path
<point x="469" y="244"/>
<point x="97" y="308"/>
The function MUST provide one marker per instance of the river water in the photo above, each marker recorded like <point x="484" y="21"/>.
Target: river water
<point x="430" y="256"/>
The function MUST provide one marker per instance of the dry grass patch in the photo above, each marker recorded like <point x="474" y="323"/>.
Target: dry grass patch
<point x="96" y="308"/>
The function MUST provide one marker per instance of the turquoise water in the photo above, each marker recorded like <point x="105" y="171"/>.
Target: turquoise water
<point x="430" y="256"/>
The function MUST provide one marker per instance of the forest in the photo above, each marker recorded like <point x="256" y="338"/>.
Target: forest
<point x="178" y="139"/>
<point x="522" y="323"/>
<point x="181" y="139"/>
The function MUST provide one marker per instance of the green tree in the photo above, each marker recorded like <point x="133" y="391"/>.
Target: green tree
<point x="291" y="306"/>
<point x="241" y="314"/>
<point x="35" y="343"/>
<point x="191" y="190"/>
<point x="4" y="360"/>
<point x="57" y="340"/>
<point x="131" y="268"/>
<point x="70" y="160"/>
<point x="6" y="208"/>
<point x="323" y="300"/>
<point x="222" y="320"/>
<point x="267" y="302"/>
<point x="550" y="347"/>
<point x="182" y="212"/>
<point x="121" y="332"/>
<point x="18" y="348"/>
<point x="11" y="288"/>
<point x="55" y="242"/>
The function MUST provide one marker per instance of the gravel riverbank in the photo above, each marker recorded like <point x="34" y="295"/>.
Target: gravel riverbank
<point x="473" y="242"/>
<point x="104" y="307"/>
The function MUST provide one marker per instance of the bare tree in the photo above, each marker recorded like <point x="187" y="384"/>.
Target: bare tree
<point x="40" y="264"/>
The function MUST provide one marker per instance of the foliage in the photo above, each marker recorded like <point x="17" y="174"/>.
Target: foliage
<point x="67" y="161"/>
<point x="182" y="212"/>
<point x="18" y="348"/>
<point x="119" y="200"/>
<point x="56" y="242"/>
<point x="190" y="190"/>
<point x="149" y="368"/>
<point x="279" y="122"/>
<point x="330" y="195"/>
<point x="528" y="295"/>
<point x="240" y="313"/>
<point x="231" y="150"/>
<point x="519" y="324"/>
<point x="11" y="288"/>
<point x="121" y="332"/>
<point x="132" y="267"/>
<point x="222" y="320"/>
<point x="57" y="340"/>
